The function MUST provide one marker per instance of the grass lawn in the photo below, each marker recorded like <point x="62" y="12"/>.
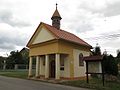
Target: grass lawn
<point x="94" y="83"/>
<point x="14" y="73"/>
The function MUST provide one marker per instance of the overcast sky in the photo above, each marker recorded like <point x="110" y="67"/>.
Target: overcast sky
<point x="95" y="21"/>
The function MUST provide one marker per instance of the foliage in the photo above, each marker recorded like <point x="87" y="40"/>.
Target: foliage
<point x="97" y="50"/>
<point x="110" y="65"/>
<point x="14" y="58"/>
<point x="118" y="57"/>
<point x="17" y="57"/>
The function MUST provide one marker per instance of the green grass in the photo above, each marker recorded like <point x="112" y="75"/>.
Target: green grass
<point x="14" y="73"/>
<point x="94" y="83"/>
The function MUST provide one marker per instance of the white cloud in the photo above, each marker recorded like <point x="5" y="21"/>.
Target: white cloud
<point x="85" y="18"/>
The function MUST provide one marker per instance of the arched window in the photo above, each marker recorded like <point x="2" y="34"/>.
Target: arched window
<point x="81" y="63"/>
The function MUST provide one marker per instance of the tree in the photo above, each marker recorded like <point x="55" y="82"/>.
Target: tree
<point x="16" y="57"/>
<point x="118" y="56"/>
<point x="110" y="65"/>
<point x="97" y="50"/>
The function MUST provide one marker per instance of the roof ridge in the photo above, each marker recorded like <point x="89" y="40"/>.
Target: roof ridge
<point x="62" y="34"/>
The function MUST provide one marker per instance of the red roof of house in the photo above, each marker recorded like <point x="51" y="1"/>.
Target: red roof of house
<point x="93" y="58"/>
<point x="61" y="34"/>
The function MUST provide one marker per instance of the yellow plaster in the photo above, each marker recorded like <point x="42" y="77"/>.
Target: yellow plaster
<point x="43" y="49"/>
<point x="67" y="48"/>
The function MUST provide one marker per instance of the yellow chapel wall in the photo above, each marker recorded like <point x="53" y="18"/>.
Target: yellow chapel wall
<point x="67" y="48"/>
<point x="43" y="49"/>
<point x="66" y="72"/>
<point x="62" y="47"/>
<point x="72" y="68"/>
<point x="79" y="71"/>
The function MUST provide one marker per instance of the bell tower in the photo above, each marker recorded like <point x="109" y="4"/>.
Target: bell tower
<point x="56" y="19"/>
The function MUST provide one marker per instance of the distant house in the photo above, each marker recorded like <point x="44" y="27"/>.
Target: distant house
<point x="24" y="52"/>
<point x="3" y="62"/>
<point x="58" y="53"/>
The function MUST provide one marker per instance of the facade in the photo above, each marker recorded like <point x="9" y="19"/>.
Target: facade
<point x="58" y="53"/>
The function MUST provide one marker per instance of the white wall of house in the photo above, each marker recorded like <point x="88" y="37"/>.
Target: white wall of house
<point x="79" y="71"/>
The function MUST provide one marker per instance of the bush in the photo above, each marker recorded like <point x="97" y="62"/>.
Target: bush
<point x="110" y="65"/>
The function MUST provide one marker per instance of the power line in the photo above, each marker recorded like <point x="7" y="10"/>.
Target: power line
<point x="110" y="36"/>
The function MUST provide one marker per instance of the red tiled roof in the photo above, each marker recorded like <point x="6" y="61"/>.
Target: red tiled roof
<point x="61" y="34"/>
<point x="93" y="58"/>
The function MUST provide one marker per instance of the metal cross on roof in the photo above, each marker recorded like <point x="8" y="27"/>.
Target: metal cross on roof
<point x="56" y="5"/>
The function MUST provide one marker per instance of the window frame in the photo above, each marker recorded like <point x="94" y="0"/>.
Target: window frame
<point x="81" y="62"/>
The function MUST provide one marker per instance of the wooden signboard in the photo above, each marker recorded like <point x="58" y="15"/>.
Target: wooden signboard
<point x="94" y="66"/>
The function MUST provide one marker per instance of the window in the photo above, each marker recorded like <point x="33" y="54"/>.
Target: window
<point x="81" y="63"/>
<point x="62" y="64"/>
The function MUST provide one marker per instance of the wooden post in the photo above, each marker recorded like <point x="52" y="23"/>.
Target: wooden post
<point x="103" y="79"/>
<point x="87" y="71"/>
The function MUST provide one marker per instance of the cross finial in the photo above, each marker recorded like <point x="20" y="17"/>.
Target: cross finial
<point x="56" y="5"/>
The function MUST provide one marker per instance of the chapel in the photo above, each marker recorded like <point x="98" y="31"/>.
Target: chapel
<point x="58" y="53"/>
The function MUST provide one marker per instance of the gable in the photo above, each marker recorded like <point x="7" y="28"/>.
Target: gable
<point x="43" y="36"/>
<point x="45" y="32"/>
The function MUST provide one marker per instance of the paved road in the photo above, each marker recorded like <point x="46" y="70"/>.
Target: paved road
<point x="20" y="84"/>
